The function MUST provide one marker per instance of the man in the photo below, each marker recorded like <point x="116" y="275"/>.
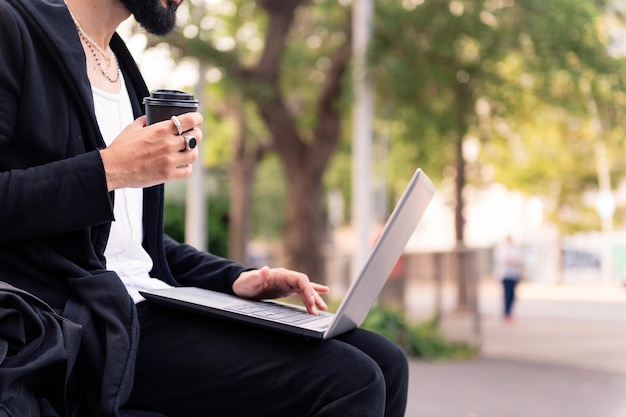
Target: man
<point x="81" y="228"/>
<point x="509" y="263"/>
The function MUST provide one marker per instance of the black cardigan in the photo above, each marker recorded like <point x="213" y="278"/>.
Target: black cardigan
<point x="55" y="210"/>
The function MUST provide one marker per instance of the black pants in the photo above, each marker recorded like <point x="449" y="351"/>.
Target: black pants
<point x="195" y="366"/>
<point x="509" y="285"/>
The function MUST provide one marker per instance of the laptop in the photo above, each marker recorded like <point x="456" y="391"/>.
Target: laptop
<point x="357" y="302"/>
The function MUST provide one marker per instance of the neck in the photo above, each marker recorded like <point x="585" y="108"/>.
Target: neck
<point x="96" y="21"/>
<point x="98" y="18"/>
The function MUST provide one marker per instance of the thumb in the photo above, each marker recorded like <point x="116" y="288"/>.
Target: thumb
<point x="260" y="278"/>
<point x="251" y="283"/>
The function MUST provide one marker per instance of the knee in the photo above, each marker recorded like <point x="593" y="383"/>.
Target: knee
<point x="369" y="380"/>
<point x="373" y="370"/>
<point x="394" y="366"/>
<point x="359" y="371"/>
<point x="391" y="359"/>
<point x="359" y="391"/>
<point x="396" y="357"/>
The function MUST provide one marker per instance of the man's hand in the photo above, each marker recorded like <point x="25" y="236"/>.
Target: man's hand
<point x="279" y="282"/>
<point x="142" y="156"/>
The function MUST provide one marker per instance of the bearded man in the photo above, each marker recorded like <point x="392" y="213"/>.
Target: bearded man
<point x="81" y="228"/>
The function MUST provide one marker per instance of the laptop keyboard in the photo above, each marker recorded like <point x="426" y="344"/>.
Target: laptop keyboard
<point x="277" y="312"/>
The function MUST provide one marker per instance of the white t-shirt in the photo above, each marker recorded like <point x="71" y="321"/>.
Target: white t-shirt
<point x="124" y="253"/>
<point x="508" y="259"/>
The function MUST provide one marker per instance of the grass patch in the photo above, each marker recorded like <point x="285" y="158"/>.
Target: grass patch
<point x="424" y="340"/>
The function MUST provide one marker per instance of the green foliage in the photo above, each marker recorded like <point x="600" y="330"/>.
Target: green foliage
<point x="541" y="89"/>
<point x="424" y="340"/>
<point x="218" y="225"/>
<point x="174" y="219"/>
<point x="525" y="66"/>
<point x="318" y="32"/>
<point x="269" y="199"/>
<point x="217" y="220"/>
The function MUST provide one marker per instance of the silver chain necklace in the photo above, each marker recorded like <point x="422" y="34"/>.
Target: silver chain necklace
<point x="91" y="44"/>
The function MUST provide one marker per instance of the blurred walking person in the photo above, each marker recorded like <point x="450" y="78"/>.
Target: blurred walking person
<point x="509" y="261"/>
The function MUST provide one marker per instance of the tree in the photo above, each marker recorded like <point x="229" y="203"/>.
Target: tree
<point x="444" y="71"/>
<point x="459" y="69"/>
<point x="302" y="116"/>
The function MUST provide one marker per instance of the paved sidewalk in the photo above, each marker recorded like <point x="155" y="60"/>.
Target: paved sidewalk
<point x="565" y="355"/>
<point x="506" y="388"/>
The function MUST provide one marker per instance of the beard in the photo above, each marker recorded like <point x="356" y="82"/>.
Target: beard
<point x="152" y="15"/>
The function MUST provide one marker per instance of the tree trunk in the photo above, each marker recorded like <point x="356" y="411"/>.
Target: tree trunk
<point x="461" y="96"/>
<point x="242" y="172"/>
<point x="304" y="162"/>
<point x="304" y="165"/>
<point x="462" y="100"/>
<point x="305" y="229"/>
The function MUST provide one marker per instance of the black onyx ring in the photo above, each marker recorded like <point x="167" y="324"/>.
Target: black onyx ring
<point x="190" y="141"/>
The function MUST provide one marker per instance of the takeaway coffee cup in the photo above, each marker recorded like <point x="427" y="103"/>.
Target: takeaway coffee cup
<point x="163" y="104"/>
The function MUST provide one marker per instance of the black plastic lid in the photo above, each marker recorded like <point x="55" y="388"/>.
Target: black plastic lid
<point x="168" y="96"/>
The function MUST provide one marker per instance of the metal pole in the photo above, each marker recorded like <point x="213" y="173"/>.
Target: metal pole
<point x="195" y="210"/>
<point x="362" y="15"/>
<point x="606" y="205"/>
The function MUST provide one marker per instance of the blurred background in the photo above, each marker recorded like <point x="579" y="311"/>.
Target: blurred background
<point x="317" y="112"/>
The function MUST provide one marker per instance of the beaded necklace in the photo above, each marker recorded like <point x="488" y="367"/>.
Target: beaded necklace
<point x="91" y="44"/>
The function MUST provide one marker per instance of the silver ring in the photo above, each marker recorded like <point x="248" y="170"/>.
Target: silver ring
<point x="190" y="142"/>
<point x="176" y="122"/>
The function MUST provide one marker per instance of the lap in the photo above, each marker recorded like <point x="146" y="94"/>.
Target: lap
<point x="196" y="361"/>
